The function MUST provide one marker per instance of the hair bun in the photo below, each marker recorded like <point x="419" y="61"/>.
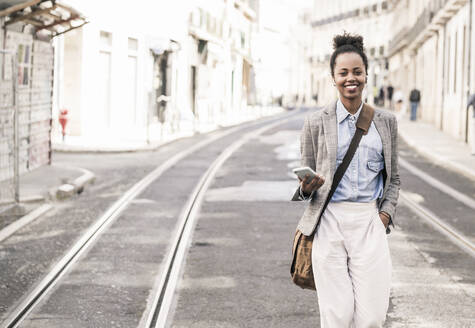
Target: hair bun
<point x="348" y="39"/>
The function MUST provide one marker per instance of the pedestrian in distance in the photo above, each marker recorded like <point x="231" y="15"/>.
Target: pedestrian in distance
<point x="375" y="95"/>
<point x="381" y="96"/>
<point x="350" y="255"/>
<point x="471" y="103"/>
<point x="414" y="98"/>
<point x="390" y="90"/>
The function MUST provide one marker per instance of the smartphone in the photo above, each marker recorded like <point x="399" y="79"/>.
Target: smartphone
<point x="301" y="172"/>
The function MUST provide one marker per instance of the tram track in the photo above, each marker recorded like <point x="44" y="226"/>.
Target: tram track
<point x="455" y="236"/>
<point x="157" y="317"/>
<point x="54" y="276"/>
<point x="438" y="222"/>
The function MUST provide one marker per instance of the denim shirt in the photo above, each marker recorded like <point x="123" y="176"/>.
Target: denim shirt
<point x="363" y="180"/>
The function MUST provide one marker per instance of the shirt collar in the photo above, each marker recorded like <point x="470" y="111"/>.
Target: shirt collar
<point x="342" y="113"/>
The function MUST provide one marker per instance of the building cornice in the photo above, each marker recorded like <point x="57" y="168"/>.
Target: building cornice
<point x="434" y="16"/>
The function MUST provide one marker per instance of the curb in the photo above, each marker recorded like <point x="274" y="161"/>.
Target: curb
<point x="75" y="187"/>
<point x="112" y="149"/>
<point x="439" y="159"/>
<point x="23" y="221"/>
<point x="60" y="193"/>
<point x="154" y="145"/>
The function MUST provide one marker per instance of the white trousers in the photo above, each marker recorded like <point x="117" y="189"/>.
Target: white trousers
<point x="351" y="266"/>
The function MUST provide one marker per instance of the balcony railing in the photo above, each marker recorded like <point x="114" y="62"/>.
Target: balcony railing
<point x="336" y="18"/>
<point x="436" y="12"/>
<point x="422" y="22"/>
<point x="352" y="13"/>
<point x="398" y="40"/>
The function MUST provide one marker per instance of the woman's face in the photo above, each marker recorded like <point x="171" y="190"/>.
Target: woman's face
<point x="349" y="75"/>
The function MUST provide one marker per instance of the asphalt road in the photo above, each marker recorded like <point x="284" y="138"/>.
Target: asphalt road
<point x="236" y="273"/>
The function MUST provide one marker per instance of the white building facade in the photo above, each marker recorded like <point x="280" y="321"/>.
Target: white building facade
<point x="368" y="18"/>
<point x="155" y="69"/>
<point x="281" y="54"/>
<point x="107" y="70"/>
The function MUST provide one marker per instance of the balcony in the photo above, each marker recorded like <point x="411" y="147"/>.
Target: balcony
<point x="246" y="9"/>
<point x="432" y="18"/>
<point x="398" y="41"/>
<point x="376" y="9"/>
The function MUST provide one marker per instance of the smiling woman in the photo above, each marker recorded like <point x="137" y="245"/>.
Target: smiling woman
<point x="350" y="256"/>
<point x="349" y="72"/>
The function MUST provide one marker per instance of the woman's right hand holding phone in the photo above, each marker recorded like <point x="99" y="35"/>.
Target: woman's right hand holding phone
<point x="309" y="184"/>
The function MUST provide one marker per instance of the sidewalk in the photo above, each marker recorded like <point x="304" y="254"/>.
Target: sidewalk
<point x="441" y="148"/>
<point x="136" y="139"/>
<point x="37" y="189"/>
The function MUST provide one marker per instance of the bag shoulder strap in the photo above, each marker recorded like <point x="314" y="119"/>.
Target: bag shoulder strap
<point x="362" y="126"/>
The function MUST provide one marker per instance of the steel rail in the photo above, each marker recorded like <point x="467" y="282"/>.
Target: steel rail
<point x="455" y="236"/>
<point x="26" y="305"/>
<point x="157" y="313"/>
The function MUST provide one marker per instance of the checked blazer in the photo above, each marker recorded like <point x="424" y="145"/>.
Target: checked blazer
<point x="318" y="148"/>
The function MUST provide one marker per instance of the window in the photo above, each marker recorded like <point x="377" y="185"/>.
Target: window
<point x="202" y="18"/>
<point x="106" y="39"/>
<point x="463" y="55"/>
<point x="455" y="62"/>
<point x="447" y="79"/>
<point x="24" y="64"/>
<point x="133" y="44"/>
<point x="208" y="22"/>
<point x="104" y="78"/>
<point x="195" y="18"/>
<point x="220" y="29"/>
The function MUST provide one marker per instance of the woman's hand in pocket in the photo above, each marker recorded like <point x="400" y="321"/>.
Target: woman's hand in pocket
<point x="384" y="218"/>
<point x="309" y="185"/>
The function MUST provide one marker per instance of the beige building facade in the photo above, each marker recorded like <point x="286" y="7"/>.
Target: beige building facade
<point x="430" y="48"/>
<point x="410" y="43"/>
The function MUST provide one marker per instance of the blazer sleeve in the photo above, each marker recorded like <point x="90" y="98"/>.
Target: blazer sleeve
<point x="392" y="193"/>
<point x="308" y="155"/>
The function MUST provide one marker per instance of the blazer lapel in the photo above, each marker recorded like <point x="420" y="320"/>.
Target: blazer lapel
<point x="386" y="140"/>
<point x="331" y="134"/>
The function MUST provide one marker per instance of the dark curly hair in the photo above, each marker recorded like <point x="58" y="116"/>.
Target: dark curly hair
<point x="347" y="43"/>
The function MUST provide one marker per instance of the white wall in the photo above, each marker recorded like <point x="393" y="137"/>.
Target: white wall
<point x="152" y="25"/>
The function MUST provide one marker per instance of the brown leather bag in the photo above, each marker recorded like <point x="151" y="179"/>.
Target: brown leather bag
<point x="301" y="268"/>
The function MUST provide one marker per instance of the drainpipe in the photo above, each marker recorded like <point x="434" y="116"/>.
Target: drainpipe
<point x="444" y="50"/>
<point x="469" y="75"/>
